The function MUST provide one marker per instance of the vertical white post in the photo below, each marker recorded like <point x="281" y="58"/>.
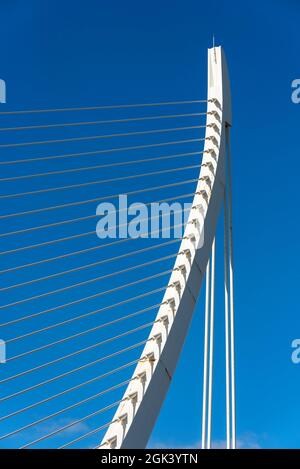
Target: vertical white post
<point x="211" y="344"/>
<point x="227" y="339"/>
<point x="205" y="360"/>
<point x="231" y="283"/>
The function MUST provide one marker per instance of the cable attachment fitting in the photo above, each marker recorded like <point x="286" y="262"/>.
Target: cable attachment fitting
<point x="187" y="253"/>
<point x="197" y="207"/>
<point x="181" y="268"/>
<point x="204" y="194"/>
<point x="175" y="285"/>
<point x="215" y="114"/>
<point x="142" y="377"/>
<point x="210" y="166"/>
<point x="171" y="303"/>
<point x="191" y="237"/>
<point x="207" y="180"/>
<point x="123" y="419"/>
<point x="214" y="101"/>
<point x="133" y="397"/>
<point x="214" y="140"/>
<point x="214" y="126"/>
<point x="212" y="153"/>
<point x="194" y="222"/>
<point x="164" y="320"/>
<point x="158" y="340"/>
<point x="150" y="356"/>
<point x="112" y="442"/>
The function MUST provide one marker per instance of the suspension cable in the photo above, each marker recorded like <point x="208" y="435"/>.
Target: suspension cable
<point x="98" y="122"/>
<point x="80" y="235"/>
<point x="72" y="220"/>
<point x="68" y="321"/>
<point x="96" y="295"/>
<point x="92" y="432"/>
<point x="81" y="267"/>
<point x="86" y="417"/>
<point x="90" y="347"/>
<point x="59" y="412"/>
<point x="101" y="166"/>
<point x="74" y="370"/>
<point x="63" y="256"/>
<point x="97" y="199"/>
<point x="89" y="265"/>
<point x="73" y="388"/>
<point x="30" y="316"/>
<point x="82" y="419"/>
<point x="79" y="334"/>
<point x="74" y="336"/>
<point x="46" y="311"/>
<point x="86" y="266"/>
<point x="78" y="252"/>
<point x="103" y="107"/>
<point x="98" y="137"/>
<point x="85" y="282"/>
<point x="81" y="350"/>
<point x="99" y="182"/>
<point x="98" y="152"/>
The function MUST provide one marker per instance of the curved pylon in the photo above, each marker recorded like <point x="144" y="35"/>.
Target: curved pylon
<point x="135" y="417"/>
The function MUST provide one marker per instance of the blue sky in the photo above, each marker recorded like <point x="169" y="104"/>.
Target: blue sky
<point x="58" y="54"/>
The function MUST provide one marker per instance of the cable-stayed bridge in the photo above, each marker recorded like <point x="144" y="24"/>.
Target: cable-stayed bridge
<point x="108" y="223"/>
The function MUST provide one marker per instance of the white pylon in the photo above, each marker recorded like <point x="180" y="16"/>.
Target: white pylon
<point x="183" y="288"/>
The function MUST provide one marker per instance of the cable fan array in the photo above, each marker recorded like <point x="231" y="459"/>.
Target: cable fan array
<point x="76" y="309"/>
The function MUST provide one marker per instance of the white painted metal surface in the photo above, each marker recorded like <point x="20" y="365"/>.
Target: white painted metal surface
<point x="205" y="357"/>
<point x="135" y="417"/>
<point x="227" y="324"/>
<point x="211" y="344"/>
<point x="231" y="294"/>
